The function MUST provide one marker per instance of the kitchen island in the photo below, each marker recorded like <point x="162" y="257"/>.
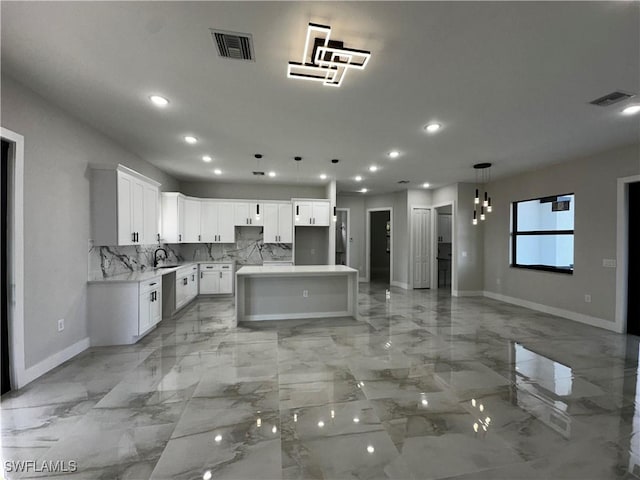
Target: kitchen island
<point x="300" y="291"/>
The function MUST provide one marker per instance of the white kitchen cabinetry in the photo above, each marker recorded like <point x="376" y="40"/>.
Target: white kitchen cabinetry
<point x="217" y="222"/>
<point x="248" y="213"/>
<point x="216" y="278"/>
<point x="191" y="220"/>
<point x="278" y="223"/>
<point x="186" y="286"/>
<point x="122" y="313"/>
<point x="173" y="212"/>
<point x="124" y="207"/>
<point x="311" y="213"/>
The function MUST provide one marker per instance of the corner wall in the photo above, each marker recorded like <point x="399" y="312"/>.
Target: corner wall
<point x="57" y="151"/>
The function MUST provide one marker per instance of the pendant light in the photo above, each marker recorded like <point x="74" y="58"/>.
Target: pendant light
<point x="482" y="178"/>
<point x="335" y="161"/>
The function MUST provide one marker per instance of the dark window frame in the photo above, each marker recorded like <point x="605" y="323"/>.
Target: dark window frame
<point x="515" y="233"/>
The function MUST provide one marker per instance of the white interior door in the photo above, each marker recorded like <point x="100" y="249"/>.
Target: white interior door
<point x="420" y="236"/>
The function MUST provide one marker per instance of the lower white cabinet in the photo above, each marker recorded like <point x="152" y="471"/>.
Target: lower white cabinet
<point x="186" y="285"/>
<point x="216" y="278"/>
<point x="122" y="313"/>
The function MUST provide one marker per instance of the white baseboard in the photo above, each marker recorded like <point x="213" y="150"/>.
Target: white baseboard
<point x="559" y="312"/>
<point x="467" y="293"/>
<point x="295" y="316"/>
<point x="53" y="361"/>
<point x="400" y="284"/>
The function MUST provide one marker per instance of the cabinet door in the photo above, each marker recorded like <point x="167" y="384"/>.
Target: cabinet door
<point x="180" y="221"/>
<point x="144" y="312"/>
<point x="125" y="220"/>
<point x="303" y="213"/>
<point x="241" y="213"/>
<point x="321" y="214"/>
<point x="155" y="315"/>
<point x="226" y="226"/>
<point x="182" y="287"/>
<point x="271" y="222"/>
<point x="256" y="213"/>
<point x="151" y="215"/>
<point x="137" y="210"/>
<point x="193" y="285"/>
<point x="191" y="221"/>
<point x="285" y="223"/>
<point x="209" y="222"/>
<point x="209" y="282"/>
<point x="226" y="282"/>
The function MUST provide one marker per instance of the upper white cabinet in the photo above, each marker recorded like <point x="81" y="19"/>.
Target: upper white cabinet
<point x="217" y="222"/>
<point x="173" y="213"/>
<point x="124" y="207"/>
<point x="278" y="223"/>
<point x="248" y="213"/>
<point x="311" y="213"/>
<point x="192" y="223"/>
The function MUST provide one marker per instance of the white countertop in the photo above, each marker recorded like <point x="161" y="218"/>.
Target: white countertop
<point x="296" y="270"/>
<point x="142" y="276"/>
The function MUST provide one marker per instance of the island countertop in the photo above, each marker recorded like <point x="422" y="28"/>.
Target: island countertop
<point x="295" y="270"/>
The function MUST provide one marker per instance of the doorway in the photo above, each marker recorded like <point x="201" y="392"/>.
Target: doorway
<point x="420" y="247"/>
<point x="343" y="240"/>
<point x="379" y="246"/>
<point x="444" y="246"/>
<point x="633" y="260"/>
<point x="4" y="281"/>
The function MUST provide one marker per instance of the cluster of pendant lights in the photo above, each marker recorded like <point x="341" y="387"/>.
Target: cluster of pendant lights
<point x="482" y="176"/>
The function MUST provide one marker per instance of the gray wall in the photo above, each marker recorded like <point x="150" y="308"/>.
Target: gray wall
<point x="355" y="204"/>
<point x="594" y="182"/>
<point x="258" y="191"/>
<point x="58" y="149"/>
<point x="469" y="243"/>
<point x="311" y="245"/>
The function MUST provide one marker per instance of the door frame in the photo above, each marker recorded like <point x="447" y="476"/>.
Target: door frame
<point x="622" y="251"/>
<point x="348" y="246"/>
<point x="411" y="246"/>
<point x="434" y="244"/>
<point x="368" y="242"/>
<point x="16" y="257"/>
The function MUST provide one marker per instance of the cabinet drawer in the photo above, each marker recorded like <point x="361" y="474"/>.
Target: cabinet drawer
<point x="216" y="267"/>
<point x="150" y="285"/>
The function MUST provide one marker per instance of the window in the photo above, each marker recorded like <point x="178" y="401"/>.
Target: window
<point x="542" y="234"/>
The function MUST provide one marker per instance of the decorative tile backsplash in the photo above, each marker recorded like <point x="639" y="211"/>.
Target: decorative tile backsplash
<point x="110" y="261"/>
<point x="249" y="249"/>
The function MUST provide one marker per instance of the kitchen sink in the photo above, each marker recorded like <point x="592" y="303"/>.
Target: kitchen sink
<point x="166" y="266"/>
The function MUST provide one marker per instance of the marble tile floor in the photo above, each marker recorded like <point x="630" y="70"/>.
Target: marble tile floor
<point x="423" y="386"/>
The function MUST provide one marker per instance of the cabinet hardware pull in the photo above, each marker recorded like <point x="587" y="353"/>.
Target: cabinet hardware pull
<point x="133" y="236"/>
<point x="179" y="237"/>
<point x="158" y="237"/>
<point x="220" y="274"/>
<point x="198" y="237"/>
<point x="201" y="275"/>
<point x="193" y="278"/>
<point x="152" y="284"/>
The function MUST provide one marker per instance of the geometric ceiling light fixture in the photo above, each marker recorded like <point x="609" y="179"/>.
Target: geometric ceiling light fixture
<point x="482" y="178"/>
<point x="325" y="60"/>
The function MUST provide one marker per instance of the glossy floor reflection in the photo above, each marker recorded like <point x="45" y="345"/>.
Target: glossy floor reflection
<point x="425" y="386"/>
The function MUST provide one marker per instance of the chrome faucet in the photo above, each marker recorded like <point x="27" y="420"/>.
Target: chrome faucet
<point x="155" y="256"/>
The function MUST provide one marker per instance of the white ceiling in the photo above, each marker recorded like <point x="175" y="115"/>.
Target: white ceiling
<point x="509" y="81"/>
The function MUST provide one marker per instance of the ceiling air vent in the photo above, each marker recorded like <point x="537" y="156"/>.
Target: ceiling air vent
<point x="403" y="181"/>
<point x="610" y="99"/>
<point x="259" y="174"/>
<point x="234" y="45"/>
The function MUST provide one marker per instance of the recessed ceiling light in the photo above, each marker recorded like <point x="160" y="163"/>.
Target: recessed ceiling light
<point x="159" y="101"/>
<point x="217" y="171"/>
<point x="631" y="110"/>
<point x="432" y="127"/>
<point x="272" y="174"/>
<point x="426" y="185"/>
<point x="358" y="178"/>
<point x="206" y="158"/>
<point x="323" y="176"/>
<point x="394" y="154"/>
<point x="363" y="190"/>
<point x="190" y="139"/>
<point x="373" y="168"/>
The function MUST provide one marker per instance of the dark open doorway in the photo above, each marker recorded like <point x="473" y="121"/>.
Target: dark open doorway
<point x="633" y="278"/>
<point x="4" y="285"/>
<point x="380" y="247"/>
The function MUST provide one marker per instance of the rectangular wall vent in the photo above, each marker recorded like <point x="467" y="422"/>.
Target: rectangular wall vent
<point x="238" y="46"/>
<point x="611" y="98"/>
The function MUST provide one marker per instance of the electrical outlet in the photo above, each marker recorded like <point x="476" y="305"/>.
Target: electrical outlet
<point x="498" y="281"/>
<point x="313" y="251"/>
<point x="464" y="254"/>
<point x="587" y="298"/>
<point x="609" y="262"/>
<point x="61" y="324"/>
<point x="305" y="293"/>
